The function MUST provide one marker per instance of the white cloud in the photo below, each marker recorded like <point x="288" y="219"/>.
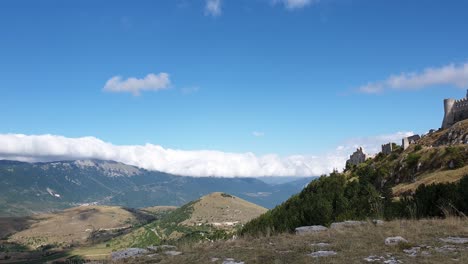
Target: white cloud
<point x="295" y="4"/>
<point x="372" y="145"/>
<point x="152" y="82"/>
<point x="199" y="163"/>
<point x="213" y="7"/>
<point x="258" y="134"/>
<point x="452" y="74"/>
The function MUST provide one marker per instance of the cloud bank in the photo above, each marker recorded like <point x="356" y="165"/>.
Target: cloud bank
<point x="152" y="82"/>
<point x="213" y="7"/>
<point x="199" y="163"/>
<point x="452" y="74"/>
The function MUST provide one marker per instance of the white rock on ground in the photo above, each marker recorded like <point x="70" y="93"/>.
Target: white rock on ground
<point x="322" y="253"/>
<point x="374" y="258"/>
<point x="167" y="247"/>
<point x="446" y="249"/>
<point x="412" y="252"/>
<point x="455" y="240"/>
<point x="127" y="253"/>
<point x="378" y="222"/>
<point x="392" y="260"/>
<point x="393" y="241"/>
<point x="172" y="253"/>
<point x="321" y="244"/>
<point x="310" y="229"/>
<point x="232" y="261"/>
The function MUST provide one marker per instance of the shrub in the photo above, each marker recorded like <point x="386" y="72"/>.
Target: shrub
<point x="455" y="157"/>
<point x="412" y="160"/>
<point x="323" y="201"/>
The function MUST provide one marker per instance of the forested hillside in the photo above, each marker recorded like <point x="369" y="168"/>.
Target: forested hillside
<point x="429" y="179"/>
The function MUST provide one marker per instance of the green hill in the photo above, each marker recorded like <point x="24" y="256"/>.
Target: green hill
<point x="428" y="179"/>
<point x="213" y="216"/>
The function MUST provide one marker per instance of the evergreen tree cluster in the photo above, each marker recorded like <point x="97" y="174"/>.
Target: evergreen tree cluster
<point x="325" y="200"/>
<point x="340" y="197"/>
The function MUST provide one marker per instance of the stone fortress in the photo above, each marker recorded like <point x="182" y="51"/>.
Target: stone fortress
<point x="358" y="157"/>
<point x="454" y="111"/>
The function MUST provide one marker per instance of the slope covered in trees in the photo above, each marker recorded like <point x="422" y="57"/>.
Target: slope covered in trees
<point x="368" y="191"/>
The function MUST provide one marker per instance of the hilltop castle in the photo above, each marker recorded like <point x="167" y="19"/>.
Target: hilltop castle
<point x="358" y="157"/>
<point x="455" y="111"/>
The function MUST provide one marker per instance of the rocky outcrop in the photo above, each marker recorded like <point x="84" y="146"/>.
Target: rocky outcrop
<point x="127" y="253"/>
<point x="457" y="134"/>
<point x="455" y="240"/>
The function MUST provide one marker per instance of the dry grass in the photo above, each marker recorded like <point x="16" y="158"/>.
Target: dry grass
<point x="352" y="244"/>
<point x="10" y="225"/>
<point x="430" y="178"/>
<point x="221" y="208"/>
<point x="72" y="226"/>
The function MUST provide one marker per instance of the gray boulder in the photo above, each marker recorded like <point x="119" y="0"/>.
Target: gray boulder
<point x="310" y="229"/>
<point x="393" y="241"/>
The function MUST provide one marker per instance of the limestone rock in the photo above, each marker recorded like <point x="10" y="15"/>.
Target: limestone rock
<point x="127" y="253"/>
<point x="172" y="253"/>
<point x="232" y="261"/>
<point x="321" y="244"/>
<point x="378" y="222"/>
<point x="310" y="229"/>
<point x="322" y="253"/>
<point x="392" y="261"/>
<point x="393" y="241"/>
<point x="455" y="240"/>
<point x="374" y="258"/>
<point x="446" y="249"/>
<point x="412" y="252"/>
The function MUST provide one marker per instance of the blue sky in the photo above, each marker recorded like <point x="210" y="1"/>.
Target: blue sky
<point x="293" y="73"/>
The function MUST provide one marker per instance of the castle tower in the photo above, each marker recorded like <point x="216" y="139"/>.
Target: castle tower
<point x="448" y="113"/>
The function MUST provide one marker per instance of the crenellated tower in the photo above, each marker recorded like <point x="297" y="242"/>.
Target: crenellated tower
<point x="455" y="111"/>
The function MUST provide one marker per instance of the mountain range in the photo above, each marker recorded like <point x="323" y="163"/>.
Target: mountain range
<point x="27" y="188"/>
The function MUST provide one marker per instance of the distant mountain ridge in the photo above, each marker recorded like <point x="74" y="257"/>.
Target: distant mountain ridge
<point x="27" y="188"/>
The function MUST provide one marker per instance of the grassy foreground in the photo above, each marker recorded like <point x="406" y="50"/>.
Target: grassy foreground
<point x="352" y="245"/>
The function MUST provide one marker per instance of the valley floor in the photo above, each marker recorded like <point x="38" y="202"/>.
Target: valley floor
<point x="427" y="243"/>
